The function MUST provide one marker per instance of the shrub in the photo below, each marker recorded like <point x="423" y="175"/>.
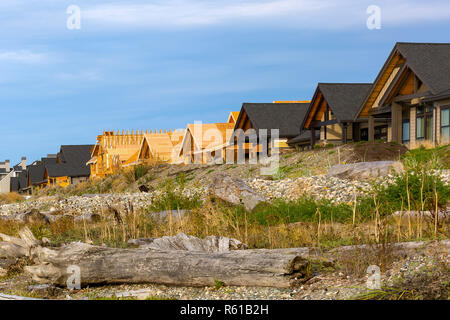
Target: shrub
<point x="439" y="156"/>
<point x="303" y="209"/>
<point x="140" y="171"/>
<point x="421" y="188"/>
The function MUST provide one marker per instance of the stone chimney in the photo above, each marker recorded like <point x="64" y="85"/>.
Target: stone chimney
<point x="23" y="163"/>
<point x="7" y="165"/>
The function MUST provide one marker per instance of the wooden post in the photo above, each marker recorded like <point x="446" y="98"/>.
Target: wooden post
<point x="371" y="128"/>
<point x="313" y="137"/>
<point x="356" y="132"/>
<point x="396" y="126"/>
<point x="344" y="132"/>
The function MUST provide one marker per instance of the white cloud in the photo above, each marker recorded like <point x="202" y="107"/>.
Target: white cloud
<point x="183" y="13"/>
<point x="22" y="56"/>
<point x="306" y="14"/>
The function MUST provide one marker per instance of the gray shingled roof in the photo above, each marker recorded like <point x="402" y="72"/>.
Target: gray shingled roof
<point x="344" y="99"/>
<point x="23" y="177"/>
<point x="430" y="62"/>
<point x="36" y="173"/>
<point x="47" y="161"/>
<point x="287" y="117"/>
<point x="14" y="183"/>
<point x="64" y="169"/>
<point x="76" y="155"/>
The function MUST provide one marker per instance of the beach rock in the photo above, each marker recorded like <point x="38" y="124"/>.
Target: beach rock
<point x="35" y="216"/>
<point x="365" y="170"/>
<point x="89" y="217"/>
<point x="234" y="191"/>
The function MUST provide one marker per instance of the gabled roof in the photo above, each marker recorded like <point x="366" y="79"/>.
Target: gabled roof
<point x="287" y="117"/>
<point x="75" y="154"/>
<point x="344" y="99"/>
<point x="36" y="173"/>
<point x="232" y="118"/>
<point x="160" y="145"/>
<point x="430" y="62"/>
<point x="205" y="135"/>
<point x="47" y="161"/>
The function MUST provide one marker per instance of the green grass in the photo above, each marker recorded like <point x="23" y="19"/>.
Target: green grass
<point x="302" y="210"/>
<point x="439" y="155"/>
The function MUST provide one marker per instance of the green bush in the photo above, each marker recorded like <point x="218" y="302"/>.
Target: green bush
<point x="421" y="187"/>
<point x="303" y="209"/>
<point x="140" y="171"/>
<point x="436" y="157"/>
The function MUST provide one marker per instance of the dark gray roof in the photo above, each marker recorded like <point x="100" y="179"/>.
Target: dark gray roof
<point x="64" y="169"/>
<point x="76" y="155"/>
<point x="287" y="117"/>
<point x="439" y="96"/>
<point x="344" y="99"/>
<point x="47" y="161"/>
<point x="14" y="183"/>
<point x="23" y="183"/>
<point x="305" y="136"/>
<point x="36" y="173"/>
<point x="429" y="61"/>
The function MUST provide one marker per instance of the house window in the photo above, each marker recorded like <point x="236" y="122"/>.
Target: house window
<point x="445" y="124"/>
<point x="380" y="133"/>
<point x="424" y="123"/>
<point x="364" y="134"/>
<point x="405" y="130"/>
<point x="405" y="126"/>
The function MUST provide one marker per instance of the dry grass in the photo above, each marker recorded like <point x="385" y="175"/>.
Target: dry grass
<point x="116" y="227"/>
<point x="11" y="197"/>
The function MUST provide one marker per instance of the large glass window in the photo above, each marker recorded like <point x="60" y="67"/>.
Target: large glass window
<point x="405" y="131"/>
<point x="424" y="123"/>
<point x="405" y="125"/>
<point x="445" y="125"/>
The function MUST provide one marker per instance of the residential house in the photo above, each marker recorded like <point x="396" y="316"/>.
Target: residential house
<point x="35" y="173"/>
<point x="70" y="167"/>
<point x="264" y="117"/>
<point x="9" y="176"/>
<point x="113" y="150"/>
<point x="332" y="113"/>
<point x="159" y="147"/>
<point x="411" y="93"/>
<point x="204" y="143"/>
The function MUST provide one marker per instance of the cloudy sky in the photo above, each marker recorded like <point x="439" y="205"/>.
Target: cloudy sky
<point x="138" y="64"/>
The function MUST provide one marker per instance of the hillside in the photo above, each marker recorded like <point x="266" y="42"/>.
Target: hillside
<point x="302" y="206"/>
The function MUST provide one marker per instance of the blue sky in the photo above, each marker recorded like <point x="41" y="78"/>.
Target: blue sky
<point x="162" y="64"/>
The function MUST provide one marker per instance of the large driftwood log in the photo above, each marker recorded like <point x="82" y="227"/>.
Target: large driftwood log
<point x="258" y="267"/>
<point x="103" y="265"/>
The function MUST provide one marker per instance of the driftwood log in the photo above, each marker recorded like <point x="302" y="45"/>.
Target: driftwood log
<point x="103" y="265"/>
<point x="258" y="267"/>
